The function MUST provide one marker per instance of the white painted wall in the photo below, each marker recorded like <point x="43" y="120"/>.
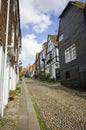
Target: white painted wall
<point x="1" y="76"/>
<point x="7" y="83"/>
<point x="51" y="67"/>
<point x="14" y="79"/>
<point x="10" y="80"/>
<point x="10" y="84"/>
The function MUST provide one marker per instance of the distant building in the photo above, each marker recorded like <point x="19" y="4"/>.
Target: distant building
<point x="72" y="45"/>
<point x="32" y="70"/>
<point x="40" y="61"/>
<point x="47" y="61"/>
<point x="37" y="63"/>
<point x="52" y="57"/>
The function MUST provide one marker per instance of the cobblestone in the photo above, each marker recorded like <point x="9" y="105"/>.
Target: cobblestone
<point x="61" y="109"/>
<point x="8" y="122"/>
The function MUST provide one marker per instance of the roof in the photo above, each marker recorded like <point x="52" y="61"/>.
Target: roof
<point x="45" y="45"/>
<point x="53" y="39"/>
<point x="80" y="5"/>
<point x="33" y="66"/>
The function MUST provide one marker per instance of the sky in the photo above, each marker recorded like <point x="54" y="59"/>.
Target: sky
<point x="38" y="19"/>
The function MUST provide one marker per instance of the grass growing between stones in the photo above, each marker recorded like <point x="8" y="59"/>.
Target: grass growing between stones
<point x="39" y="117"/>
<point x="7" y="123"/>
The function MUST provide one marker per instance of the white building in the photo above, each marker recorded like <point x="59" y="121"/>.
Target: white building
<point x="52" y="57"/>
<point x="10" y="48"/>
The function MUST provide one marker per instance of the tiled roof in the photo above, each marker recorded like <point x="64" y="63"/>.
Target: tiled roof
<point x="34" y="67"/>
<point x="53" y="38"/>
<point x="79" y="4"/>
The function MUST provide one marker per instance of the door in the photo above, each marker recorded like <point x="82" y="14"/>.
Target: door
<point x="83" y="80"/>
<point x="57" y="73"/>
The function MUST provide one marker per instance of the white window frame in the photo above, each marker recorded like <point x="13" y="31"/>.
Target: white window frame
<point x="70" y="53"/>
<point x="61" y="37"/>
<point x="73" y="52"/>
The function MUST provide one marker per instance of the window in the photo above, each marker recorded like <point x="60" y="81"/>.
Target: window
<point x="50" y="54"/>
<point x="50" y="69"/>
<point x="57" y="58"/>
<point x="53" y="53"/>
<point x="70" y="53"/>
<point x="73" y="52"/>
<point x="61" y="37"/>
<point x="67" y="74"/>
<point x="57" y="52"/>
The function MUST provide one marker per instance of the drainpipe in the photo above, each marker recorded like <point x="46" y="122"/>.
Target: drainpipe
<point x="5" y="62"/>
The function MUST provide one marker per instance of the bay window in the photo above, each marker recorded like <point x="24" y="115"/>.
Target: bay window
<point x="70" y="53"/>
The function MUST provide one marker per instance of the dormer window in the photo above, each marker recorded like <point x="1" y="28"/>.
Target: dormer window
<point x="61" y="37"/>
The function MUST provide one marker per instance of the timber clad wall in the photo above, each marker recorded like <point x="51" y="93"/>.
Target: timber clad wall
<point x="72" y="28"/>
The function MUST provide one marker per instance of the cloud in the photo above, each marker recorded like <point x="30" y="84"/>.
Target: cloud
<point x="30" y="46"/>
<point x="53" y="5"/>
<point x="31" y="15"/>
<point x="37" y="13"/>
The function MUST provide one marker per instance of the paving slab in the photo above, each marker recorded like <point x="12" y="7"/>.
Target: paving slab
<point x="27" y="119"/>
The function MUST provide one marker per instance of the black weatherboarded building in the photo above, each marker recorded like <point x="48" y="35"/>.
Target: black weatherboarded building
<point x="72" y="45"/>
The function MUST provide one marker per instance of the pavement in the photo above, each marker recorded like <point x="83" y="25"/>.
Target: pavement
<point x="27" y="119"/>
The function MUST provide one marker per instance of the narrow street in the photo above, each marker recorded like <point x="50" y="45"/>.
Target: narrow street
<point x="61" y="108"/>
<point x="42" y="48"/>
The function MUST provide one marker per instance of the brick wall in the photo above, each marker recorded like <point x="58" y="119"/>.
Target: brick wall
<point x="3" y="22"/>
<point x="13" y="24"/>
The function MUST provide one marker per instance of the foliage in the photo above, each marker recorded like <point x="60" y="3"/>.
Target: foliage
<point x="13" y="93"/>
<point x="5" y="123"/>
<point x="20" y="76"/>
<point x="47" y="77"/>
<point x="18" y="89"/>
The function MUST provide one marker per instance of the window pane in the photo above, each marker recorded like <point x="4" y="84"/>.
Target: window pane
<point x="70" y="53"/>
<point x="73" y="52"/>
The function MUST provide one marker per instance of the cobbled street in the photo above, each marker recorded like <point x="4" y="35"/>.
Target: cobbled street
<point x="60" y="107"/>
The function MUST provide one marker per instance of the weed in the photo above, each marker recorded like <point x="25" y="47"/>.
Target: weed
<point x="40" y="118"/>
